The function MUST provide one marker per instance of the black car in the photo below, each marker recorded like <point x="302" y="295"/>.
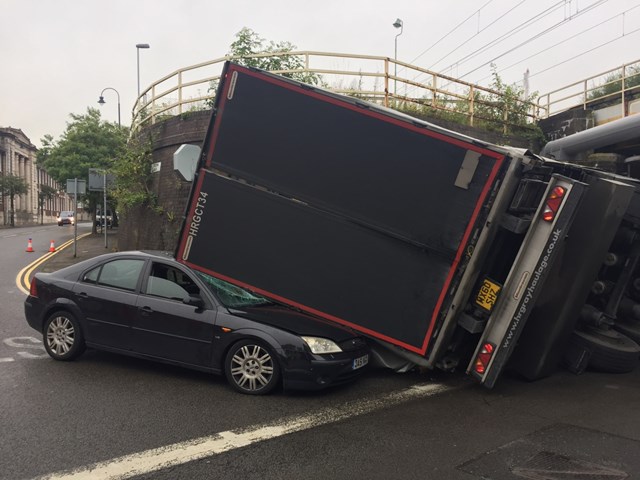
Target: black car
<point x="148" y="305"/>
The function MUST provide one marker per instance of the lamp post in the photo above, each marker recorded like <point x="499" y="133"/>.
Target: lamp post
<point x="138" y="47"/>
<point x="397" y="24"/>
<point x="102" y="102"/>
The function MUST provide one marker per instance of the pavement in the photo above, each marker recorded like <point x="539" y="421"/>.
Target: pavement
<point x="89" y="246"/>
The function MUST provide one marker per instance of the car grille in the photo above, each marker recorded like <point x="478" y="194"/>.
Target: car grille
<point x="356" y="343"/>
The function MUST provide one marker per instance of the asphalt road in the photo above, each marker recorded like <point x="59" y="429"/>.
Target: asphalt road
<point x="106" y="416"/>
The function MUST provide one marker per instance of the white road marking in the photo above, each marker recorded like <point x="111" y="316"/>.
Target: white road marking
<point x="24" y="342"/>
<point x="32" y="355"/>
<point x="179" y="453"/>
<point x="6" y="360"/>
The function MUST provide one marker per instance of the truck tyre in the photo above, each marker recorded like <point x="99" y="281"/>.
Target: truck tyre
<point x="630" y="328"/>
<point x="608" y="350"/>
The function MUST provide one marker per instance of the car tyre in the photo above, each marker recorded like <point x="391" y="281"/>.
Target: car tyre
<point x="62" y="337"/>
<point x="252" y="368"/>
<point x="607" y="350"/>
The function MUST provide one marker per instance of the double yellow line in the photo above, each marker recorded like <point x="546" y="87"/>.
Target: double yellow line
<point x="22" y="280"/>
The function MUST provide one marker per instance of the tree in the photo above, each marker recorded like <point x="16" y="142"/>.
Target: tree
<point x="10" y="186"/>
<point x="249" y="43"/>
<point x="88" y="142"/>
<point x="46" y="193"/>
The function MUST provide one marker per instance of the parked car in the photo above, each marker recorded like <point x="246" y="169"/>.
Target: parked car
<point x="148" y="305"/>
<point x="100" y="220"/>
<point x="66" y="218"/>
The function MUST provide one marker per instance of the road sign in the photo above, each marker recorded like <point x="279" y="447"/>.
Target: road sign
<point x="96" y="180"/>
<point x="71" y="186"/>
<point x="185" y="160"/>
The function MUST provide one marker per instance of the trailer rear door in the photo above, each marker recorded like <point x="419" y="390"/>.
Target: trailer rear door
<point x="337" y="207"/>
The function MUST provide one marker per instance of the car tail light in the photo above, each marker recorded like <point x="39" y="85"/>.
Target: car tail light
<point x="552" y="204"/>
<point x="483" y="358"/>
<point x="33" y="290"/>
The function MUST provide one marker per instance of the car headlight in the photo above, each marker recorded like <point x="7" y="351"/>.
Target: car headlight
<point x="321" y="345"/>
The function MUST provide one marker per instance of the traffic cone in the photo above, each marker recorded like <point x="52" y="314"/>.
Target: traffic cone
<point x="29" y="247"/>
<point x="52" y="247"/>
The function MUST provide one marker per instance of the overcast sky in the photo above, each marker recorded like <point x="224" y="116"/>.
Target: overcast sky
<point x="57" y="56"/>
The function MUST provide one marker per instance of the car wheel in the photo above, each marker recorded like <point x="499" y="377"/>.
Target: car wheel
<point x="251" y="368"/>
<point x="607" y="350"/>
<point x="63" y="339"/>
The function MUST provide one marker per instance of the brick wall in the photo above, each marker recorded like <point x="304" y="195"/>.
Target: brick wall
<point x="148" y="229"/>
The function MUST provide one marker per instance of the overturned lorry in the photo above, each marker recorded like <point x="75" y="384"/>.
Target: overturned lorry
<point x="449" y="251"/>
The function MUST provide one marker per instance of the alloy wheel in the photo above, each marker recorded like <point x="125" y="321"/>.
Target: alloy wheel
<point x="252" y="368"/>
<point x="60" y="335"/>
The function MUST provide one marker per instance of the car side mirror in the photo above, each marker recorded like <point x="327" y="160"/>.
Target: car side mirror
<point x="194" y="301"/>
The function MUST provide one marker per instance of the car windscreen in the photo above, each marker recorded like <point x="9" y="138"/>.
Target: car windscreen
<point x="230" y="295"/>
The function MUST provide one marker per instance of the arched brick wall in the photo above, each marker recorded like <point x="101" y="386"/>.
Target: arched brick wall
<point x="157" y="229"/>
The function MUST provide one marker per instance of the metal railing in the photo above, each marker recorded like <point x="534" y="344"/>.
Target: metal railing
<point x="612" y="87"/>
<point x="413" y="90"/>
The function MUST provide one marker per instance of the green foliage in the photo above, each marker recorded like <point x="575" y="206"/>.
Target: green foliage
<point x="46" y="193"/>
<point x="88" y="142"/>
<point x="508" y="105"/>
<point x="10" y="186"/>
<point x="133" y="170"/>
<point x="613" y="84"/>
<point x="248" y="43"/>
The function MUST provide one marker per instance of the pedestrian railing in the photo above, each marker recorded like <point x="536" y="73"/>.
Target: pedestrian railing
<point x="619" y="86"/>
<point x="381" y="80"/>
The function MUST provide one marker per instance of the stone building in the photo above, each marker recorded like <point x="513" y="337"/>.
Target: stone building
<point x="18" y="157"/>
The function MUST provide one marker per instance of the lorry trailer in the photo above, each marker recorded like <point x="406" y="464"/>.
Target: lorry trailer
<point x="447" y="250"/>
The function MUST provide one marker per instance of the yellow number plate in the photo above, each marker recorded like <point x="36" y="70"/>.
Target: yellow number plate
<point x="488" y="294"/>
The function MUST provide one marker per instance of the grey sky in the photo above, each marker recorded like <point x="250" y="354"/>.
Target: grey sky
<point x="57" y="56"/>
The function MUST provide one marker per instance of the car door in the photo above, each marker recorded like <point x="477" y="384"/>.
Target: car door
<point x="107" y="295"/>
<point x="167" y="328"/>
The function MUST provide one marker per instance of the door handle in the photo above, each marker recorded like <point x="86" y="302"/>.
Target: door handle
<point x="83" y="294"/>
<point x="146" y="309"/>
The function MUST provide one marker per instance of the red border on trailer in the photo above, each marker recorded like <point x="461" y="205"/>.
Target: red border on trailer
<point x="421" y="130"/>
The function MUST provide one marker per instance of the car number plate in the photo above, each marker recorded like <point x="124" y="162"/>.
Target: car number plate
<point x="488" y="294"/>
<point x="360" y="362"/>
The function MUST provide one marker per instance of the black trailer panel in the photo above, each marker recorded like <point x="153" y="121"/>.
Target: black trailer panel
<point x="337" y="207"/>
<point x="346" y="157"/>
<point x="312" y="260"/>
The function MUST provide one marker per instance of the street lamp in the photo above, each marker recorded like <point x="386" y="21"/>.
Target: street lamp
<point x="397" y="24"/>
<point x="138" y="47"/>
<point x="102" y="102"/>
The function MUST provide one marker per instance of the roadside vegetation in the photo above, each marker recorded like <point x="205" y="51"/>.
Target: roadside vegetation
<point x="88" y="142"/>
<point x="10" y="186"/>
<point x="610" y="90"/>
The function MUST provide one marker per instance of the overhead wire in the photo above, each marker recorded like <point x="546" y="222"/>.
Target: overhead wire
<point x="561" y="42"/>
<point x="476" y="34"/>
<point x="585" y="52"/>
<point x="530" y="21"/>
<point x="452" y="30"/>
<point x="535" y="37"/>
